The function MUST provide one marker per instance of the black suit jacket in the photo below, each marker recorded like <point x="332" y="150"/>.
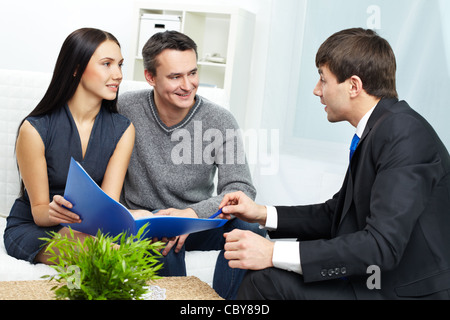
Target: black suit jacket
<point x="393" y="211"/>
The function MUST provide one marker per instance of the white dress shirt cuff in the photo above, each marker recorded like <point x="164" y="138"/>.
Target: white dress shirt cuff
<point x="286" y="256"/>
<point x="272" y="219"/>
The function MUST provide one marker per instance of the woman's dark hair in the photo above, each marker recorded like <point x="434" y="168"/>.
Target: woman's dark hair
<point x="165" y="40"/>
<point x="362" y="53"/>
<point x="75" y="54"/>
<point x="73" y="59"/>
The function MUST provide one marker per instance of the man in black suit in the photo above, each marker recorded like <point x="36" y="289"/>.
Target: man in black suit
<point x="386" y="233"/>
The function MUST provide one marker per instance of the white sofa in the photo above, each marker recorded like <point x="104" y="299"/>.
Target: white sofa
<point x="20" y="91"/>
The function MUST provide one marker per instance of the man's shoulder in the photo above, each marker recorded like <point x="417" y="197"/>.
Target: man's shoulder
<point x="403" y="113"/>
<point x="401" y="121"/>
<point x="217" y="113"/>
<point x="131" y="99"/>
<point x="392" y="111"/>
<point x="134" y="95"/>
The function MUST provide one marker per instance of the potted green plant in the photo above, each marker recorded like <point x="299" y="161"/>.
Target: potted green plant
<point x="103" y="267"/>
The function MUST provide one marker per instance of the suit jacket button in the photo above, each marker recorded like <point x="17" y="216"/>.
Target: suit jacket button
<point x="337" y="271"/>
<point x="331" y="272"/>
<point x="323" y="273"/>
<point x="343" y="270"/>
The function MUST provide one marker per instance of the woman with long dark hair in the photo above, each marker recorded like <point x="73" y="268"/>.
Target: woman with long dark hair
<point x="77" y="117"/>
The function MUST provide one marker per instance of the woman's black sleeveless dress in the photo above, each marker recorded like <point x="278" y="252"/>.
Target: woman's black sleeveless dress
<point x="62" y="141"/>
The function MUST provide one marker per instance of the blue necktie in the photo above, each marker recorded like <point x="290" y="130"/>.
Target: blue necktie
<point x="353" y="146"/>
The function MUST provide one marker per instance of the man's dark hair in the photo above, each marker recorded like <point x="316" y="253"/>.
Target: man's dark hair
<point x="165" y="40"/>
<point x="362" y="53"/>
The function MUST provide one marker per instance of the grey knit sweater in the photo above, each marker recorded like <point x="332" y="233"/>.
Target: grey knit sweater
<point x="175" y="167"/>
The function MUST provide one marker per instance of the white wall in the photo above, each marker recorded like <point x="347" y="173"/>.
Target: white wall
<point x="32" y="32"/>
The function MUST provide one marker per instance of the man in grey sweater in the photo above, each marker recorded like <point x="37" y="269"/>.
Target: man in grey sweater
<point x="182" y="141"/>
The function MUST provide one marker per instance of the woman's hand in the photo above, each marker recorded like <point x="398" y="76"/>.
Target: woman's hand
<point x="58" y="213"/>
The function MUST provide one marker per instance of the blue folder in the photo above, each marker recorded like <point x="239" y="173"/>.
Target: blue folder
<point x="98" y="211"/>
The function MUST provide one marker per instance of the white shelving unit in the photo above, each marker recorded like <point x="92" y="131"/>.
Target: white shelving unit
<point x="222" y="33"/>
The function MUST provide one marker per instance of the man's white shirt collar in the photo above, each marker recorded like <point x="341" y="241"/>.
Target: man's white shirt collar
<point x="363" y="122"/>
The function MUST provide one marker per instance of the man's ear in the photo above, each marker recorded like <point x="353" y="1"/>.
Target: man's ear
<point x="356" y="86"/>
<point x="149" y="77"/>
